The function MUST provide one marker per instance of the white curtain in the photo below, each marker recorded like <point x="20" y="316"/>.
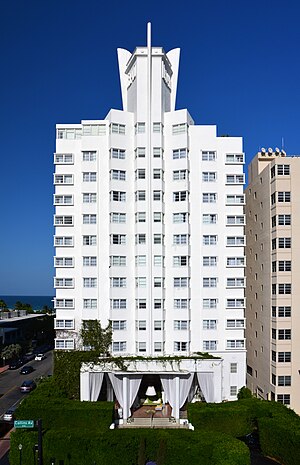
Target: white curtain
<point x="95" y="383"/>
<point x="117" y="384"/>
<point x="185" y="383"/>
<point x="193" y="389"/>
<point x="134" y="384"/>
<point x="168" y="384"/>
<point x="206" y="383"/>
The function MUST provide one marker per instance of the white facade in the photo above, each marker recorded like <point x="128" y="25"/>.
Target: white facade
<point x="149" y="225"/>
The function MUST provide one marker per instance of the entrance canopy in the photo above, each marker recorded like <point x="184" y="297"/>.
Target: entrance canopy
<point x="178" y="377"/>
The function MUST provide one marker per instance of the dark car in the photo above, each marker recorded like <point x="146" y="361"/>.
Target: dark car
<point x="15" y="364"/>
<point x="26" y="370"/>
<point x="28" y="386"/>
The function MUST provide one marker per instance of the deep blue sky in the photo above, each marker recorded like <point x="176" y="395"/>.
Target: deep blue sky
<point x="239" y="69"/>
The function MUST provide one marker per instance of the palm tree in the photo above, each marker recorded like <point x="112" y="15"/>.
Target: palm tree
<point x="3" y="305"/>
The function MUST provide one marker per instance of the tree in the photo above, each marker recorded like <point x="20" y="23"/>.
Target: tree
<point x="11" y="351"/>
<point x="94" y="336"/>
<point x="244" y="393"/>
<point x="3" y="305"/>
<point x="22" y="306"/>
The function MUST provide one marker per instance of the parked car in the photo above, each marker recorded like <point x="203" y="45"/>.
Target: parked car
<point x="26" y="370"/>
<point x="9" y="415"/>
<point x="29" y="356"/>
<point x="28" y="386"/>
<point x="40" y="357"/>
<point x="15" y="364"/>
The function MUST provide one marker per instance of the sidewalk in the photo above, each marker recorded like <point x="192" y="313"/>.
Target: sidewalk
<point x="5" y="444"/>
<point x="3" y="369"/>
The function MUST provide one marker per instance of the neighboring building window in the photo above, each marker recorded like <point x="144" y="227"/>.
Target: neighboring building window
<point x="233" y="367"/>
<point x="158" y="347"/>
<point x="180" y="196"/>
<point x="118" y="175"/>
<point x="140" y="239"/>
<point x="180" y="260"/>
<point x="236" y="240"/>
<point x="284" y="265"/>
<point x="209" y="197"/>
<point x="158" y="325"/>
<point x="180" y="303"/>
<point x="284" y="312"/>
<point x="117" y="196"/>
<point x="233" y="391"/>
<point x="181" y="325"/>
<point x="209" y="345"/>
<point x="89" y="282"/>
<point x="157" y="152"/>
<point x="235" y="344"/>
<point x="235" y="199"/>
<point x="119" y="346"/>
<point x="209" y="218"/>
<point x="63" y="158"/>
<point x="118" y="304"/>
<point x="140" y="260"/>
<point x="64" y="344"/>
<point x="180" y="239"/>
<point x="118" y="153"/>
<point x="141" y="304"/>
<point x="284" y="380"/>
<point x="63" y="262"/>
<point x="157" y="195"/>
<point x="239" y="323"/>
<point x="157" y="127"/>
<point x="181" y="282"/>
<point x="89" y="156"/>
<point x="70" y="134"/>
<point x="284" y="334"/>
<point x="64" y="303"/>
<point x="209" y="324"/>
<point x="141" y="325"/>
<point x="209" y="156"/>
<point x="63" y="282"/>
<point x="117" y="282"/>
<point x="118" y="325"/>
<point x="209" y="261"/>
<point x="63" y="220"/>
<point x="234" y="158"/>
<point x="140" y="196"/>
<point x="89" y="176"/>
<point x="140" y="128"/>
<point x="89" y="261"/>
<point x="284" y="220"/>
<point x="89" y="198"/>
<point x="235" y="179"/>
<point x="235" y="303"/>
<point x="180" y="346"/>
<point x="180" y="175"/>
<point x="179" y="128"/>
<point x="179" y="153"/>
<point x="235" y="282"/>
<point x="117" y="260"/>
<point x="89" y="219"/>
<point x="64" y="324"/>
<point x="285" y="288"/>
<point x="210" y="282"/>
<point x="158" y="217"/>
<point x="235" y="220"/>
<point x="283" y="170"/>
<point x="180" y="217"/>
<point x="209" y="303"/>
<point x="64" y="179"/>
<point x="158" y="173"/>
<point x="63" y="241"/>
<point x="284" y="399"/>
<point x="116" y="128"/>
<point x="140" y="282"/>
<point x="140" y="173"/>
<point x="140" y="217"/>
<point x="209" y="240"/>
<point x="284" y="242"/>
<point x="158" y="281"/>
<point x="90" y="303"/>
<point x="63" y="200"/>
<point x="116" y="217"/>
<point x="236" y="261"/>
<point x="284" y="357"/>
<point x="159" y="303"/>
<point x="284" y="196"/>
<point x="94" y="130"/>
<point x="209" y="176"/>
<point x="141" y="346"/>
<point x="89" y="240"/>
<point x="158" y="260"/>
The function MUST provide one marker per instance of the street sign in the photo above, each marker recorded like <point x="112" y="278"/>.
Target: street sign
<point x="24" y="423"/>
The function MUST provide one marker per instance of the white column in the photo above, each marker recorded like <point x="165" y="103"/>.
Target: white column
<point x="84" y="386"/>
<point x="125" y="398"/>
<point x="176" y="406"/>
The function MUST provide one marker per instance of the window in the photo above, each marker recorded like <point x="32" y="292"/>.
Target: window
<point x="140" y="260"/>
<point x="235" y="240"/>
<point x="284" y="399"/>
<point x="284" y="312"/>
<point x="235" y="323"/>
<point x="157" y="152"/>
<point x="180" y="303"/>
<point x="118" y="325"/>
<point x="158" y="173"/>
<point x="140" y="196"/>
<point x="284" y="380"/>
<point x="89" y="198"/>
<point x="235" y="179"/>
<point x="140" y="282"/>
<point x="284" y="220"/>
<point x="235" y="344"/>
<point x="90" y="176"/>
<point x="116" y="217"/>
<point x="273" y="199"/>
<point x="235" y="303"/>
<point x="90" y="303"/>
<point x="64" y="179"/>
<point x="208" y="156"/>
<point x="283" y="170"/>
<point x="157" y="127"/>
<point x="119" y="346"/>
<point x="209" y="197"/>
<point x="89" y="219"/>
<point x="284" y="196"/>
<point x="284" y="357"/>
<point x="233" y="367"/>
<point x="209" y="303"/>
<point x="180" y="196"/>
<point x="209" y="345"/>
<point x="118" y="304"/>
<point x="181" y="282"/>
<point x="89" y="156"/>
<point x="141" y="325"/>
<point x="284" y="265"/>
<point x="89" y="261"/>
<point x="70" y="134"/>
<point x="235" y="282"/>
<point x="158" y="281"/>
<point x="209" y="176"/>
<point x="209" y="261"/>
<point x="63" y="220"/>
<point x="116" y="128"/>
<point x="180" y="260"/>
<point x="158" y="260"/>
<point x="235" y="199"/>
<point x="158" y="217"/>
<point x="180" y="239"/>
<point x="117" y="282"/>
<point x="63" y="159"/>
<point x="64" y="303"/>
<point x="236" y="261"/>
<point x="118" y="175"/>
<point x="63" y="262"/>
<point x="180" y="346"/>
<point x="180" y="175"/>
<point x="209" y="218"/>
<point x="140" y="128"/>
<point x="64" y="324"/>
<point x="158" y="347"/>
<point x="210" y="282"/>
<point x="140" y="173"/>
<point x="141" y="304"/>
<point x="63" y="282"/>
<point x="209" y="240"/>
<point x="179" y="153"/>
<point x="179" y="128"/>
<point x="273" y="221"/>
<point x="117" y="196"/>
<point x="158" y="303"/>
<point x="141" y="346"/>
<point x="180" y="217"/>
<point x="233" y="391"/>
<point x="117" y="153"/>
<point x="284" y="334"/>
<point x="157" y="195"/>
<point x="94" y="130"/>
<point x="117" y="260"/>
<point x="285" y="288"/>
<point x="63" y="200"/>
<point x="273" y="244"/>
<point x="284" y="242"/>
<point x="140" y="217"/>
<point x="235" y="220"/>
<point x="233" y="158"/>
<point x="158" y="325"/>
<point x="64" y="344"/>
<point x="63" y="241"/>
<point x="140" y="239"/>
<point x="118" y="239"/>
<point x="89" y="282"/>
<point x="180" y="325"/>
<point x="209" y="324"/>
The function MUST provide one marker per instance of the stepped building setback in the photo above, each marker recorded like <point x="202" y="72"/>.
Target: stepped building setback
<point x="273" y="284"/>
<point x="149" y="225"/>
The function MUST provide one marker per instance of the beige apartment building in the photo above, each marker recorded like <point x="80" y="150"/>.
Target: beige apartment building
<point x="273" y="277"/>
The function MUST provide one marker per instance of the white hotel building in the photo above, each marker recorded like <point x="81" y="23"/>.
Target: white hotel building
<point x="149" y="225"/>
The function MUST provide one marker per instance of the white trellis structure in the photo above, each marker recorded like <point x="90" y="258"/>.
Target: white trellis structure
<point x="178" y="378"/>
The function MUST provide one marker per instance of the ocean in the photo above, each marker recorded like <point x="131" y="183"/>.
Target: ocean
<point x="36" y="301"/>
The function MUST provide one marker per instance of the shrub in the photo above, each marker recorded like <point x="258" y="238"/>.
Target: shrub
<point x="244" y="393"/>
